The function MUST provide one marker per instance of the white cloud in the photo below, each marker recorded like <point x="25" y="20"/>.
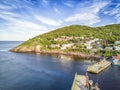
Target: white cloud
<point x="56" y="10"/>
<point x="16" y="26"/>
<point x="114" y="12"/>
<point x="6" y="14"/>
<point x="4" y="7"/>
<point x="22" y="28"/>
<point x="11" y="20"/>
<point x="24" y="25"/>
<point x="87" y="15"/>
<point x="48" y="21"/>
<point x="84" y="18"/>
<point x="19" y="34"/>
<point x="68" y="3"/>
<point x="45" y="3"/>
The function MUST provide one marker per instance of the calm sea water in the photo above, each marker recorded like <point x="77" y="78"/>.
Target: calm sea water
<point x="21" y="71"/>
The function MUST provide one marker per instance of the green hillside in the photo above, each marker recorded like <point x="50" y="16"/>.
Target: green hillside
<point x="110" y="33"/>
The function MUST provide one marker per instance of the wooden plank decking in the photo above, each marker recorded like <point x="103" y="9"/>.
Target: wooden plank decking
<point x="98" y="67"/>
<point x="79" y="82"/>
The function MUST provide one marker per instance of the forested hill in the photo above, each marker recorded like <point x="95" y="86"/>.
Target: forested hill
<point x="110" y="33"/>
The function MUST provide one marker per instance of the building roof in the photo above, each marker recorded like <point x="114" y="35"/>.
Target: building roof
<point x="117" y="57"/>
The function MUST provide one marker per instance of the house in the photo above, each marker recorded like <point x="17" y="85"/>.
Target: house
<point x="55" y="45"/>
<point x="56" y="39"/>
<point x="62" y="38"/>
<point x="99" y="46"/>
<point x="81" y="37"/>
<point x="117" y="48"/>
<point x="117" y="42"/>
<point x="96" y="39"/>
<point x="65" y="46"/>
<point x="109" y="48"/>
<point x="117" y="57"/>
<point x="94" y="43"/>
<point x="87" y="39"/>
<point x="88" y="45"/>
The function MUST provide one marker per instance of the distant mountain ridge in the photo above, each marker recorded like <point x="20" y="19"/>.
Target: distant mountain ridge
<point x="110" y="33"/>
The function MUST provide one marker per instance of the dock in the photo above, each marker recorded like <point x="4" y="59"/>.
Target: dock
<point x="98" y="67"/>
<point x="82" y="82"/>
<point x="79" y="82"/>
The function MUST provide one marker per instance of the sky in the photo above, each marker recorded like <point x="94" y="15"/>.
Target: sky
<point x="23" y="19"/>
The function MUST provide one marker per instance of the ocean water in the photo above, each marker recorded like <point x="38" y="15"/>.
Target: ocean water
<point x="26" y="71"/>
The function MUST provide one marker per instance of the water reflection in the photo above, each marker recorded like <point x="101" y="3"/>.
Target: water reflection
<point x="65" y="58"/>
<point x="67" y="63"/>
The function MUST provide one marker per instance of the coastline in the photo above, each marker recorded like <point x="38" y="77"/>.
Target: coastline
<point x="80" y="55"/>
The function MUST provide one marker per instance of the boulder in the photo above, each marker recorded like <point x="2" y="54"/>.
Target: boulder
<point x="37" y="48"/>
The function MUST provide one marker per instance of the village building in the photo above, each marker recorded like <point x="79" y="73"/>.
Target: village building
<point x="117" y="48"/>
<point x="88" y="45"/>
<point x="117" y="42"/>
<point x="65" y="46"/>
<point x="109" y="48"/>
<point x="55" y="45"/>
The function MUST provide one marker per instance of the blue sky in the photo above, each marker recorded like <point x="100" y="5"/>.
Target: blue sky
<point x="24" y="19"/>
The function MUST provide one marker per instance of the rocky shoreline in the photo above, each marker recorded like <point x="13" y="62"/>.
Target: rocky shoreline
<point x="80" y="55"/>
<point x="34" y="50"/>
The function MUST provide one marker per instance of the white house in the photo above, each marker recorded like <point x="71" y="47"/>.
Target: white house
<point x="88" y="45"/>
<point x="117" y="42"/>
<point x="109" y="48"/>
<point x="81" y="37"/>
<point x="65" y="46"/>
<point x="55" y="45"/>
<point x="96" y="39"/>
<point x="117" y="48"/>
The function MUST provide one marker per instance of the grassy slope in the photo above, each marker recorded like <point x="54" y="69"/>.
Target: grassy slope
<point x="109" y="32"/>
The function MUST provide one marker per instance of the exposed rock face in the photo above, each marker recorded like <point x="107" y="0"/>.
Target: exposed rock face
<point x="23" y="49"/>
<point x="37" y="48"/>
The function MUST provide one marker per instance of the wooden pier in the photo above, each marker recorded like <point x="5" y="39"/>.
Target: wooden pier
<point x="98" y="67"/>
<point x="79" y="82"/>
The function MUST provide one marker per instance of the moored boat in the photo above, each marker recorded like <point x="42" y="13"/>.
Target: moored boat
<point x="116" y="60"/>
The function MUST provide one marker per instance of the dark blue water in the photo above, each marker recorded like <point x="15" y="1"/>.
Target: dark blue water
<point x="20" y="71"/>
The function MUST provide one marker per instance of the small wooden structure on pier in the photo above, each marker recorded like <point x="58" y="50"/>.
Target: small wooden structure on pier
<point x="82" y="82"/>
<point x="98" y="67"/>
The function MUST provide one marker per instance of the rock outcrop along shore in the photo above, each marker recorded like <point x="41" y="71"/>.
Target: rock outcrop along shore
<point x="37" y="49"/>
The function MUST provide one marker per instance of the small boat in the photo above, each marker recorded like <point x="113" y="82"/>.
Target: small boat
<point x="116" y="60"/>
<point x="82" y="82"/>
<point x="98" y="67"/>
